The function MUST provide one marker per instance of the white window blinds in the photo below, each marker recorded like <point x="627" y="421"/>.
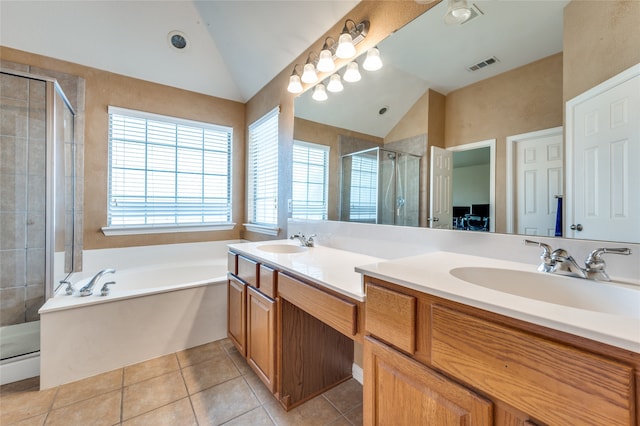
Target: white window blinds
<point x="263" y="170"/>
<point x="166" y="171"/>
<point x="364" y="189"/>
<point x="310" y="181"/>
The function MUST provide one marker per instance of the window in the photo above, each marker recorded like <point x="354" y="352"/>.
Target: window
<point x="364" y="189"/>
<point x="263" y="174"/>
<point x="166" y="172"/>
<point x="310" y="181"/>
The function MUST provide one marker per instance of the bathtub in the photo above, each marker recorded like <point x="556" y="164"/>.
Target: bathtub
<point x="166" y="299"/>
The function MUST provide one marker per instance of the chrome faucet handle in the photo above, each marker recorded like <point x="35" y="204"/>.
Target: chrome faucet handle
<point x="545" y="256"/>
<point x="70" y="289"/>
<point x="595" y="264"/>
<point x="310" y="241"/>
<point x="104" y="291"/>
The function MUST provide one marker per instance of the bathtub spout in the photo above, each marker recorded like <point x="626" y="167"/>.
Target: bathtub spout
<point x="87" y="290"/>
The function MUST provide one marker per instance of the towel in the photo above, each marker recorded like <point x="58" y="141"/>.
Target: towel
<point x="559" y="217"/>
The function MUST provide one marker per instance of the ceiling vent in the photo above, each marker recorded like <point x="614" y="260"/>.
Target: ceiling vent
<point x="475" y="12"/>
<point x="490" y="61"/>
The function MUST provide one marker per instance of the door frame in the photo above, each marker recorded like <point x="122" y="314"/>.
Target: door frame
<point x="511" y="169"/>
<point x="491" y="144"/>
<point x="571" y="104"/>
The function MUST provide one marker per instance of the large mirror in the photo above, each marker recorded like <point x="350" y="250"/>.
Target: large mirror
<point x="481" y="91"/>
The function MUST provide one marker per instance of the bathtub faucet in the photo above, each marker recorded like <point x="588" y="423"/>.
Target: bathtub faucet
<point x="87" y="290"/>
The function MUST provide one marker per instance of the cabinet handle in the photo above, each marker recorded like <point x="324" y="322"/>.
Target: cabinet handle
<point x="577" y="227"/>
<point x="433" y="219"/>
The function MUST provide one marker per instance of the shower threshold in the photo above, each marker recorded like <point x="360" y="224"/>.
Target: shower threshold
<point x="19" y="339"/>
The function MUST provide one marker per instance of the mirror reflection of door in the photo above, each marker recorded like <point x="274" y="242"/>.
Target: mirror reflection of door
<point x="537" y="163"/>
<point x="470" y="203"/>
<point x="441" y="193"/>
<point x="603" y="137"/>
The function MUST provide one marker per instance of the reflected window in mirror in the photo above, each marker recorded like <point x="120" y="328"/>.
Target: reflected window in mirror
<point x="310" y="181"/>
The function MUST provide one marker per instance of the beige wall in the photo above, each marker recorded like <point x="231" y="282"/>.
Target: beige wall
<point x="415" y="122"/>
<point x="601" y="39"/>
<point x="309" y="131"/>
<point x="104" y="89"/>
<point x="523" y="100"/>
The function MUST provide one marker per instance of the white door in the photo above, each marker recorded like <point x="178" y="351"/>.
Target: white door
<point x="539" y="182"/>
<point x="441" y="194"/>
<point x="605" y="128"/>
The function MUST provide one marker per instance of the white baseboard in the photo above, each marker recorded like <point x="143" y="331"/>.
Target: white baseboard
<point x="356" y="372"/>
<point x="21" y="368"/>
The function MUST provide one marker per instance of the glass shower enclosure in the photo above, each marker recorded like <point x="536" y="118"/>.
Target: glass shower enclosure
<point x="36" y="207"/>
<point x="380" y="186"/>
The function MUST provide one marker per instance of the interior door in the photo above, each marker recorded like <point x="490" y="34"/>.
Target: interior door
<point x="539" y="183"/>
<point x="441" y="194"/>
<point x="606" y="153"/>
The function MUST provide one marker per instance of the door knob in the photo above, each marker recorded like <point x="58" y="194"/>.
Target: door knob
<point x="577" y="227"/>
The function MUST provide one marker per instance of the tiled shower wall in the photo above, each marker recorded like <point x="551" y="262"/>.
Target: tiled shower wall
<point x="22" y="201"/>
<point x="22" y="189"/>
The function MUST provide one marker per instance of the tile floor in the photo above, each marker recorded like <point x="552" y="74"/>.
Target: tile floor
<point x="206" y="385"/>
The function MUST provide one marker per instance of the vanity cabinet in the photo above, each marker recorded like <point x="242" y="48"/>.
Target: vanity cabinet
<point x="295" y="335"/>
<point x="429" y="360"/>
<point x="252" y="315"/>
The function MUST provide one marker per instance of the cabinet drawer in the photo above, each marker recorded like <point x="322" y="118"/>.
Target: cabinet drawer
<point x="248" y="271"/>
<point x="391" y="316"/>
<point x="333" y="311"/>
<point x="232" y="262"/>
<point x="552" y="382"/>
<point x="268" y="281"/>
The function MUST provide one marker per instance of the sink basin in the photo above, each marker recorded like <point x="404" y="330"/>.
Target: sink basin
<point x="282" y="248"/>
<point x="567" y="291"/>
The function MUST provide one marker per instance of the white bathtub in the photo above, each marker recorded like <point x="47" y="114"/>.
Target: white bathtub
<point x="175" y="301"/>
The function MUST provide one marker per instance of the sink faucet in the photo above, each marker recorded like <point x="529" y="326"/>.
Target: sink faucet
<point x="304" y="241"/>
<point x="87" y="290"/>
<point x="560" y="262"/>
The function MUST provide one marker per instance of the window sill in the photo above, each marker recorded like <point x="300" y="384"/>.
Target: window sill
<point x="111" y="231"/>
<point x="262" y="229"/>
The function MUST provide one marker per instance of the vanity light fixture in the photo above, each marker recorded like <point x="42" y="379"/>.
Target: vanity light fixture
<point x="458" y="12"/>
<point x="325" y="59"/>
<point x="320" y="93"/>
<point x="335" y="84"/>
<point x="352" y="74"/>
<point x="309" y="74"/>
<point x="372" y="62"/>
<point x="295" y="84"/>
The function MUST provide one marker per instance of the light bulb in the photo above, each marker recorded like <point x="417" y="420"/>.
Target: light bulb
<point x="309" y="75"/>
<point x="335" y="84"/>
<point x="372" y="61"/>
<point x="295" y="86"/>
<point x="352" y="74"/>
<point x="320" y="93"/>
<point x="325" y="61"/>
<point x="345" y="49"/>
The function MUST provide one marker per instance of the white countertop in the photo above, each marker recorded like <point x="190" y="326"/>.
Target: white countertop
<point x="429" y="273"/>
<point x="328" y="267"/>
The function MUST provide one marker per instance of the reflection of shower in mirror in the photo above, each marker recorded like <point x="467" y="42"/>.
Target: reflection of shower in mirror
<point x="380" y="186"/>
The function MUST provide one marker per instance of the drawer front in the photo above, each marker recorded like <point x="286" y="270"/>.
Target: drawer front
<point x="268" y="281"/>
<point x="232" y="263"/>
<point x="248" y="271"/>
<point x="552" y="382"/>
<point x="391" y="316"/>
<point x="333" y="311"/>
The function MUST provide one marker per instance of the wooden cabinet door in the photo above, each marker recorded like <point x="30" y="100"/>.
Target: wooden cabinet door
<point x="236" y="313"/>
<point x="400" y="391"/>
<point x="261" y="336"/>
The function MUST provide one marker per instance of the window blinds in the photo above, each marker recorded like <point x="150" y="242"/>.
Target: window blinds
<point x="310" y="181"/>
<point x="167" y="171"/>
<point x="263" y="170"/>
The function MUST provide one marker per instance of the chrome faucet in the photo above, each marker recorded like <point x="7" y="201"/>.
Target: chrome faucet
<point x="304" y="241"/>
<point x="560" y="262"/>
<point x="87" y="290"/>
